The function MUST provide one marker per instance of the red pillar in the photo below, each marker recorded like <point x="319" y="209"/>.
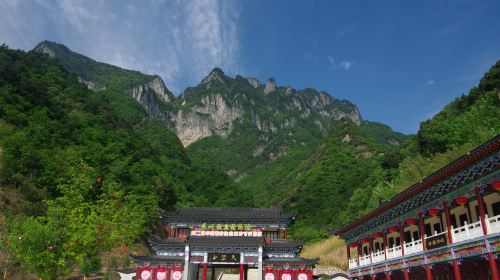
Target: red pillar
<point x="384" y="233"/>
<point x="421" y="228"/>
<point x="387" y="275"/>
<point x="204" y="271"/>
<point x="456" y="270"/>
<point x="428" y="272"/>
<point x="448" y="220"/>
<point x="493" y="266"/>
<point x="348" y="252"/>
<point x="374" y="276"/>
<point x="407" y="274"/>
<point x="370" y="247"/>
<point x="402" y="237"/>
<point x="479" y="198"/>
<point x="285" y="232"/>
<point x="359" y="251"/>
<point x="241" y="271"/>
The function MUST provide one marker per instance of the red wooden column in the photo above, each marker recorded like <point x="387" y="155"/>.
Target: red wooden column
<point x="374" y="276"/>
<point x="493" y="266"/>
<point x="384" y="233"/>
<point x="421" y="228"/>
<point x="285" y="232"/>
<point x="456" y="270"/>
<point x="241" y="271"/>
<point x="428" y="272"/>
<point x="387" y="275"/>
<point x="358" y="246"/>
<point x="204" y="277"/>
<point x="402" y="237"/>
<point x="448" y="220"/>
<point x="348" y="252"/>
<point x="407" y="274"/>
<point x="370" y="247"/>
<point x="480" y="202"/>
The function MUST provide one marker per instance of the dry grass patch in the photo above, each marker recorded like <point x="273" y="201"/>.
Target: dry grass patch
<point x="332" y="252"/>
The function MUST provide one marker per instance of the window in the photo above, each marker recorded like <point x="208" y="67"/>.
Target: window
<point x="365" y="250"/>
<point x="398" y="241"/>
<point x="496" y="208"/>
<point x="437" y="228"/>
<point x="391" y="242"/>
<point x="463" y="219"/>
<point x="407" y="236"/>
<point x="428" y="229"/>
<point x="476" y="208"/>
<point x="377" y="246"/>
<point x="453" y="221"/>
<point x="416" y="236"/>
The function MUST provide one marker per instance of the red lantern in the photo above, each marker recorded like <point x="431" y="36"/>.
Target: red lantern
<point x="462" y="200"/>
<point x="353" y="245"/>
<point x="433" y="212"/>
<point x="496" y="185"/>
<point x="411" y="221"/>
<point x="364" y="240"/>
<point x="393" y="229"/>
<point x="377" y="235"/>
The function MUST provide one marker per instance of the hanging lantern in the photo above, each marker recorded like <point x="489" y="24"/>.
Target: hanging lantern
<point x="411" y="221"/>
<point x="393" y="229"/>
<point x="377" y="235"/>
<point x="496" y="185"/>
<point x="462" y="200"/>
<point x="433" y="212"/>
<point x="364" y="240"/>
<point x="353" y="245"/>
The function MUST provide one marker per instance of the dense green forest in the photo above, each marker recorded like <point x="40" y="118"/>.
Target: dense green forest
<point x="89" y="169"/>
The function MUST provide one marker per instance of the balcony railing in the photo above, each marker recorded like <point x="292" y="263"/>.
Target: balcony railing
<point x="493" y="224"/>
<point x="414" y="247"/>
<point x="378" y="256"/>
<point x="364" y="260"/>
<point x="394" y="252"/>
<point x="464" y="233"/>
<point x="353" y="263"/>
<point x="467" y="232"/>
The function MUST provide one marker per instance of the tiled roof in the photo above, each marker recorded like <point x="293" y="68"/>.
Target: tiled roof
<point x="474" y="165"/>
<point x="227" y="215"/>
<point x="284" y="244"/>
<point x="167" y="241"/>
<point x="225" y="241"/>
<point x="158" y="258"/>
<point x="292" y="261"/>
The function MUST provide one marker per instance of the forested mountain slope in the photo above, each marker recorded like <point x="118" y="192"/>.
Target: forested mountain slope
<point x="101" y="166"/>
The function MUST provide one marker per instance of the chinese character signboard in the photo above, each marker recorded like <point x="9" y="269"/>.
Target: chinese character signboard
<point x="437" y="241"/>
<point x="224" y="257"/>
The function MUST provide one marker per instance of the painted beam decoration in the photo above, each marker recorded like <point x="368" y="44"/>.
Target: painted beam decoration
<point x="224" y="257"/>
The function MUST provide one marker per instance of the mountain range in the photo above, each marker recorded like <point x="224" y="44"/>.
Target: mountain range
<point x="68" y="122"/>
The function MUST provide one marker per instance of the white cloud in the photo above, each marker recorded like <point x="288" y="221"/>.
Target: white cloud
<point x="179" y="40"/>
<point x="430" y="82"/>
<point x="345" y="64"/>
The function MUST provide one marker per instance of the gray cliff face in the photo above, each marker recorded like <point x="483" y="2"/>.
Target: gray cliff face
<point x="270" y="86"/>
<point x="213" y="117"/>
<point x="44" y="48"/>
<point x="151" y="95"/>
<point x="254" y="82"/>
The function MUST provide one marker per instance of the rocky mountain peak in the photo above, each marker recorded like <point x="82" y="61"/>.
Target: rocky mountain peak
<point x="270" y="86"/>
<point x="215" y="75"/>
<point x="254" y="82"/>
<point x="44" y="47"/>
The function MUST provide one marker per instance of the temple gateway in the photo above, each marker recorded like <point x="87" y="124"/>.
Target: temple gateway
<point x="198" y="239"/>
<point x="447" y="226"/>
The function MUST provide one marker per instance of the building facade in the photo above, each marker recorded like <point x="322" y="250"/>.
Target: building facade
<point x="196" y="240"/>
<point x="447" y="226"/>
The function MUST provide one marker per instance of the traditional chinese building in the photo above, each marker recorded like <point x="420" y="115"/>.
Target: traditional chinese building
<point x="198" y="239"/>
<point x="447" y="226"/>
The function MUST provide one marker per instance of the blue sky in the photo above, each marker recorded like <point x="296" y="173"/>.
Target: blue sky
<point x="400" y="62"/>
